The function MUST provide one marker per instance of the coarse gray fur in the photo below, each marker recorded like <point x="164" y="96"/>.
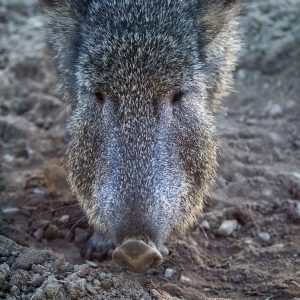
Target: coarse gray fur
<point x="142" y="79"/>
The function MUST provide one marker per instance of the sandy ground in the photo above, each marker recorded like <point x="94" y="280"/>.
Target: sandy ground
<point x="247" y="244"/>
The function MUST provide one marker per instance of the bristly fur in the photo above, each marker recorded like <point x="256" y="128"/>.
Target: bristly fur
<point x="142" y="78"/>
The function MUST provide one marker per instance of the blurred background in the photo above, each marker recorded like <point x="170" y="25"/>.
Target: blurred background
<point x="247" y="244"/>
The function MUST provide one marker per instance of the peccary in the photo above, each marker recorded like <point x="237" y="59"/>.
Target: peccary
<point x="142" y="79"/>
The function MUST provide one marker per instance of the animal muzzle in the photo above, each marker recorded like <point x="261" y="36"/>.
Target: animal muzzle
<point x="137" y="256"/>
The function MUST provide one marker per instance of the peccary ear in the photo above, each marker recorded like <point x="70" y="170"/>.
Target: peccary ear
<point x="214" y="15"/>
<point x="55" y="3"/>
<point x="55" y="6"/>
<point x="63" y="10"/>
<point x="51" y="3"/>
<point x="66" y="8"/>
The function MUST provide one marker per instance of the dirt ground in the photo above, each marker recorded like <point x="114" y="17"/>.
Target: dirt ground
<point x="247" y="244"/>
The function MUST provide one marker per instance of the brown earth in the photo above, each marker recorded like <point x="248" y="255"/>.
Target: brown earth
<point x="258" y="188"/>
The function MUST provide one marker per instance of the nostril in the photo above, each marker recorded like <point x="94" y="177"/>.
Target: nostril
<point x="100" y="97"/>
<point x="137" y="256"/>
<point x="176" y="97"/>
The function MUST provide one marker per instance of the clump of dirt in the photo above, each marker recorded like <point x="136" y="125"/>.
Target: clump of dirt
<point x="246" y="245"/>
<point x="26" y="273"/>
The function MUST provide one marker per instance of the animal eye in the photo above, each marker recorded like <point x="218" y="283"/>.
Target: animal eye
<point x="99" y="97"/>
<point x="176" y="97"/>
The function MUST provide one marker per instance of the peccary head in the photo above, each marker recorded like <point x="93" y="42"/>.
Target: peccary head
<point x="141" y="79"/>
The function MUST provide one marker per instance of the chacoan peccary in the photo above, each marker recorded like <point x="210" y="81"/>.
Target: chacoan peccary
<point x="142" y="79"/>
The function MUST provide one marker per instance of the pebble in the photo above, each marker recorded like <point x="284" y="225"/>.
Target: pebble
<point x="205" y="225"/>
<point x="53" y="232"/>
<point x="64" y="219"/>
<point x="39" y="234"/>
<point x="169" y="272"/>
<point x="39" y="191"/>
<point x="164" y="250"/>
<point x="227" y="227"/>
<point x="91" y="264"/>
<point x="275" y="138"/>
<point x="291" y="104"/>
<point x="185" y="280"/>
<point x="276" y="110"/>
<point x="296" y="175"/>
<point x="10" y="210"/>
<point x="8" y="158"/>
<point x="264" y="236"/>
<point x="273" y="109"/>
<point x="267" y="193"/>
<point x="248" y="241"/>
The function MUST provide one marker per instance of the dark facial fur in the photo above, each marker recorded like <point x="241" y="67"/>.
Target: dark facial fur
<point x="141" y="79"/>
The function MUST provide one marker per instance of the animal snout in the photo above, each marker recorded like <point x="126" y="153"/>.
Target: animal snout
<point x="137" y="256"/>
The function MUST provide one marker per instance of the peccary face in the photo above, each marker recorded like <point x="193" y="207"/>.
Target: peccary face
<point x="141" y="78"/>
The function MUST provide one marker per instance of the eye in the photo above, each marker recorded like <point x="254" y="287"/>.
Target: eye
<point x="177" y="97"/>
<point x="100" y="97"/>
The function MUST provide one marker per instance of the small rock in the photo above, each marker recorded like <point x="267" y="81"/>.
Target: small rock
<point x="296" y="175"/>
<point x="267" y="193"/>
<point x="40" y="224"/>
<point x="64" y="219"/>
<point x="8" y="158"/>
<point x="242" y="119"/>
<point x="169" y="272"/>
<point x="185" y="280"/>
<point x="291" y="104"/>
<point x="276" y="110"/>
<point x="273" y="109"/>
<point x="10" y="210"/>
<point x="264" y="236"/>
<point x="164" y="250"/>
<point x="205" y="225"/>
<point x="266" y="85"/>
<point x="39" y="234"/>
<point x="227" y="227"/>
<point x="275" y="138"/>
<point x="91" y="264"/>
<point x="38" y="191"/>
<point x="248" y="241"/>
<point x="81" y="269"/>
<point x="53" y="232"/>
